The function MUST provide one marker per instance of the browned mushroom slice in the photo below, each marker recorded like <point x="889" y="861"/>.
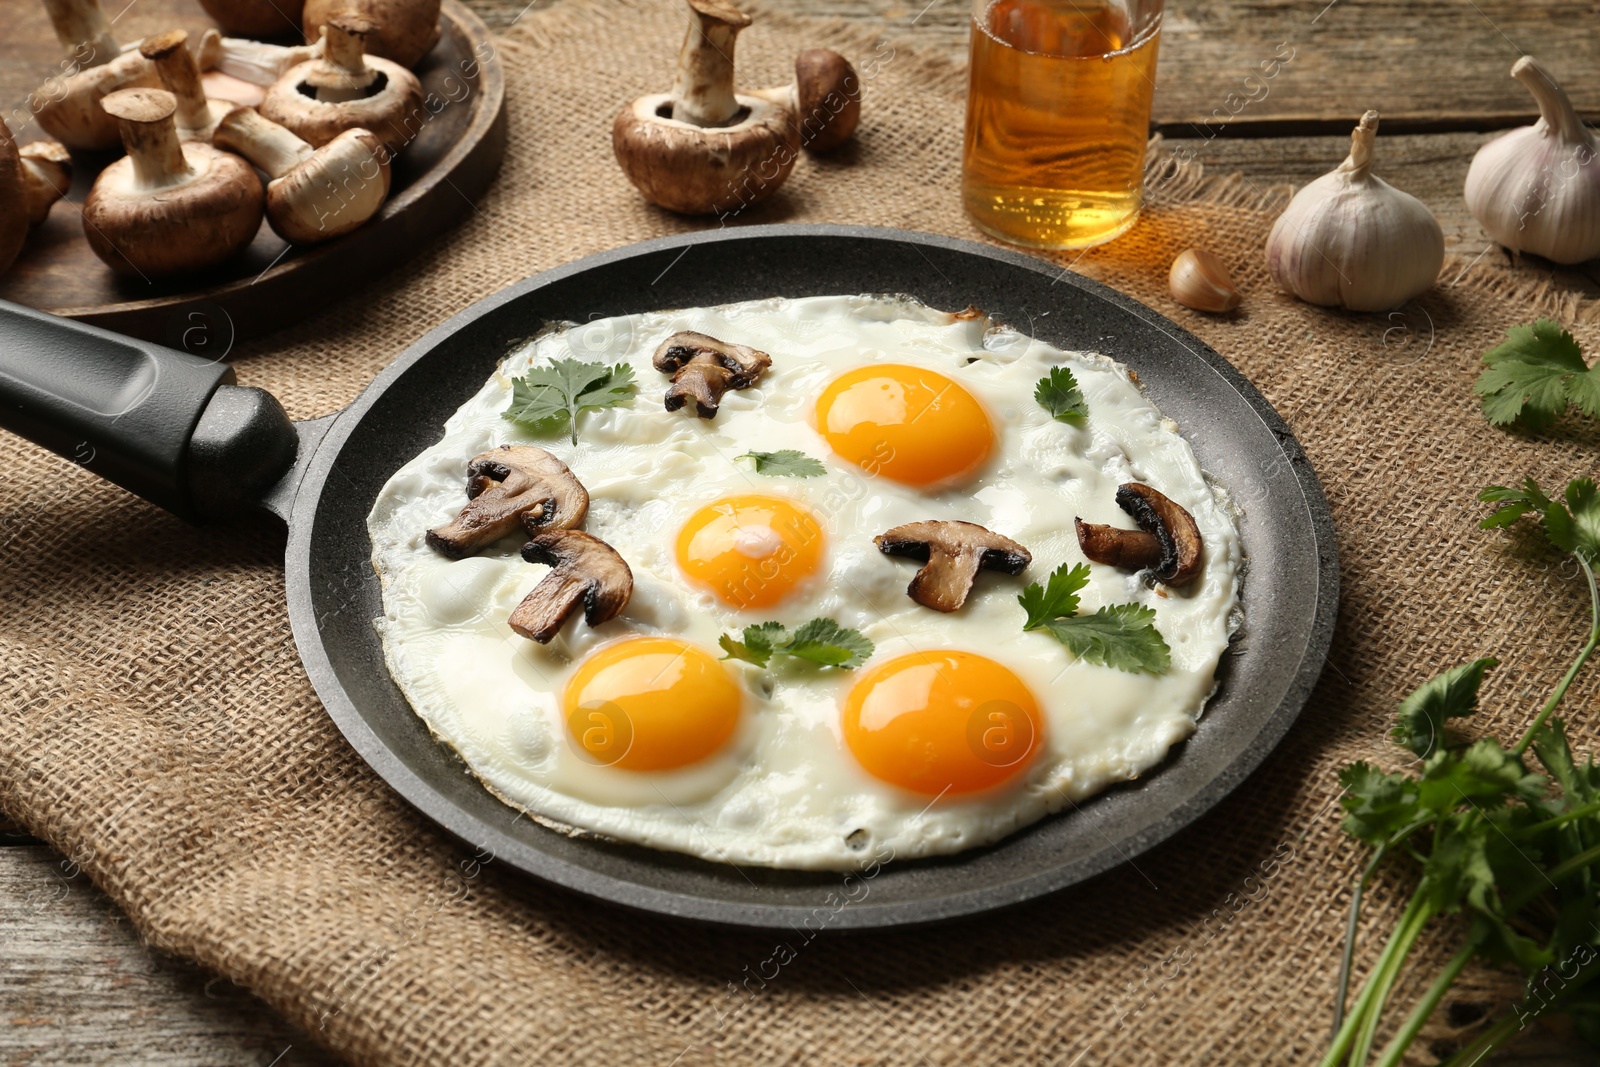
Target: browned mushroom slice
<point x="954" y="553"/>
<point x="583" y="570"/>
<point x="1167" y="542"/>
<point x="504" y="486"/>
<point x="703" y="368"/>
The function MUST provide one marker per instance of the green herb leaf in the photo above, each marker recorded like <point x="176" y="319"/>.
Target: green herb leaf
<point x="1059" y="394"/>
<point x="818" y="641"/>
<point x="787" y="463"/>
<point x="550" y="397"/>
<point x="1058" y="597"/>
<point x="1123" y="636"/>
<point x="1571" y="524"/>
<point x="1531" y="378"/>
<point x="1452" y="695"/>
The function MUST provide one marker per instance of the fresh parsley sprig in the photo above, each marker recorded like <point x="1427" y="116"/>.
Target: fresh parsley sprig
<point x="818" y="641"/>
<point x="1058" y="393"/>
<point x="550" y="397"/>
<point x="786" y="463"/>
<point x="1123" y="636"/>
<point x="1514" y="848"/>
<point x="1531" y="378"/>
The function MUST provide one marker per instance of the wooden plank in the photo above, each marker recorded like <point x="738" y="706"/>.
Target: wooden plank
<point x="77" y="986"/>
<point x="1428" y="65"/>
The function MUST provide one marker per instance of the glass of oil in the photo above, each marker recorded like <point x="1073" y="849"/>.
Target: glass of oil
<point x="1058" y="114"/>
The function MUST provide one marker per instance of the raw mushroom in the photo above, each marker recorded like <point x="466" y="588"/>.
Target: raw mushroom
<point x="197" y="117"/>
<point x="1167" y="542"/>
<point x="83" y="31"/>
<point x="504" y="485"/>
<point x="583" y="570"/>
<point x="954" y="553"/>
<point x="253" y="61"/>
<point x="256" y="18"/>
<point x="46" y="176"/>
<point x="403" y="30"/>
<point x="703" y="148"/>
<point x="346" y="90"/>
<point x="168" y="207"/>
<point x="703" y="368"/>
<point x="314" y="194"/>
<point x="13" y="199"/>
<point x="824" y="99"/>
<point x="69" y="107"/>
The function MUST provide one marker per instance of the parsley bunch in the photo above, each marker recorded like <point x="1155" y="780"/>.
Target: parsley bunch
<point x="1512" y="846"/>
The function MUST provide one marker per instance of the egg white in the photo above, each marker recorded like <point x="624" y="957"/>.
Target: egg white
<point x="785" y="791"/>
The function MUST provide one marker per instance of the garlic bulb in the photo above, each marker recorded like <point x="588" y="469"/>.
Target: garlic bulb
<point x="1201" y="281"/>
<point x="1537" y="189"/>
<point x="1352" y="240"/>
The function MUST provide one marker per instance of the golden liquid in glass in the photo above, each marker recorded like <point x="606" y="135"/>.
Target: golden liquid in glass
<point x="1058" y="113"/>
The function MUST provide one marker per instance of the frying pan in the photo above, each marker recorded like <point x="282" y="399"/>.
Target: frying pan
<point x="177" y="430"/>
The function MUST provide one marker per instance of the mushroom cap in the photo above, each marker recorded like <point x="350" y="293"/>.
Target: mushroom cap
<point x="46" y="175"/>
<point x="14" y="216"/>
<point x="340" y="186"/>
<point x="403" y="30"/>
<point x="394" y="112"/>
<point x="583" y="570"/>
<point x="699" y="170"/>
<point x="257" y="19"/>
<point x="69" y="108"/>
<point x="828" y="94"/>
<point x="505" y="486"/>
<point x="199" y="224"/>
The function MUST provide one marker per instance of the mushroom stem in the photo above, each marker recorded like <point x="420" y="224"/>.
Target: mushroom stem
<point x="262" y="141"/>
<point x="703" y="93"/>
<point x="181" y="75"/>
<point x="253" y="61"/>
<point x="83" y="31"/>
<point x="46" y="175"/>
<point x="344" y="73"/>
<point x="144" y="118"/>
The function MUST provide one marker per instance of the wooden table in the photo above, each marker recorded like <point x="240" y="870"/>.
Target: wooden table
<point x="76" y="985"/>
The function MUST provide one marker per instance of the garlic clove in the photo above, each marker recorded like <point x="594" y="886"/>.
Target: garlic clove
<point x="1350" y="239"/>
<point x="1537" y="189"/>
<point x="1201" y="281"/>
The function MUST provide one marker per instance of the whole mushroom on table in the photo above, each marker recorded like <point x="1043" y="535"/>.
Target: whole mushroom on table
<point x="706" y="148"/>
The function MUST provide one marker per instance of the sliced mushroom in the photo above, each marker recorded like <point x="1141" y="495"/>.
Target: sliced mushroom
<point x="197" y="117"/>
<point x="503" y="486"/>
<point x="824" y="100"/>
<point x="166" y="207"/>
<point x="704" y="148"/>
<point x="954" y="552"/>
<point x="46" y="176"/>
<point x="347" y="89"/>
<point x="583" y="570"/>
<point x="1167" y="542"/>
<point x="403" y="30"/>
<point x="703" y="368"/>
<point x="69" y="106"/>
<point x="315" y="194"/>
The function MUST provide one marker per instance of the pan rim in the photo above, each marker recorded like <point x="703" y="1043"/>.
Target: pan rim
<point x="444" y="812"/>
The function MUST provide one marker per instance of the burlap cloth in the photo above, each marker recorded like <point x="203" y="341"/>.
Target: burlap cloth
<point x="159" y="731"/>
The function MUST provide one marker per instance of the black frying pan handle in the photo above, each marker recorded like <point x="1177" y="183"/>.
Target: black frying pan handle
<point x="166" y="425"/>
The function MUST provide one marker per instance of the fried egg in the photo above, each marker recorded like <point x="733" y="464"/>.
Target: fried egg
<point x="958" y="730"/>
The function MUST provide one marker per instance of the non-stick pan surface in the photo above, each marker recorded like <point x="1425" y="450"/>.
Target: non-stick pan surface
<point x="1289" y="593"/>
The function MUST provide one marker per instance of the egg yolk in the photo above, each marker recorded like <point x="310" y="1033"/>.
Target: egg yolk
<point x="942" y="722"/>
<point x="650" y="704"/>
<point x="909" y="424"/>
<point x="750" y="551"/>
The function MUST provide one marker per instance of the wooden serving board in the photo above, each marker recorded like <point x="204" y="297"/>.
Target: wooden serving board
<point x="435" y="179"/>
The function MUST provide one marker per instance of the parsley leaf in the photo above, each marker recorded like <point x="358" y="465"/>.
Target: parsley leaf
<point x="819" y="641"/>
<point x="1531" y="378"/>
<point x="548" y="398"/>
<point x="1123" y="636"/>
<point x="1059" y="394"/>
<point x="1571" y="524"/>
<point x="787" y="463"/>
<point x="1452" y="695"/>
<point x="1055" y="599"/>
